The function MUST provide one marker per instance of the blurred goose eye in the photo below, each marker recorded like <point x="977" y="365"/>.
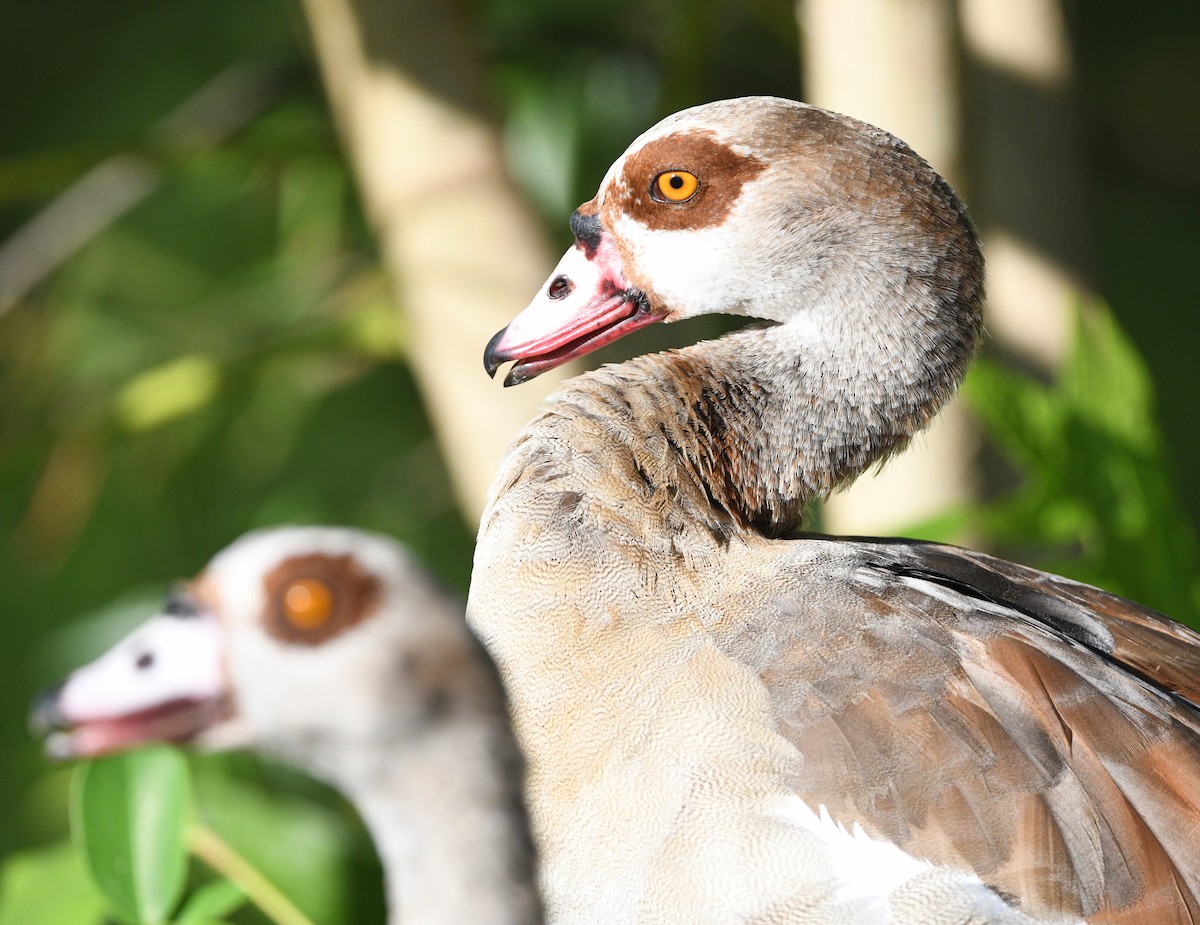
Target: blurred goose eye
<point x="674" y="186"/>
<point x="307" y="604"/>
<point x="310" y="599"/>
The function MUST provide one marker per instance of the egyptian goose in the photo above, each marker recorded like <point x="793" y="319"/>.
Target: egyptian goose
<point x="728" y="721"/>
<point x="334" y="650"/>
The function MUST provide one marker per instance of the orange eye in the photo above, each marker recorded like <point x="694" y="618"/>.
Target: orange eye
<point x="675" y="186"/>
<point x="307" y="603"/>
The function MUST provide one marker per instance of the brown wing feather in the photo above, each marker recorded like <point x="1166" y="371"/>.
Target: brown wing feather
<point x="992" y="717"/>
<point x="1145" y="641"/>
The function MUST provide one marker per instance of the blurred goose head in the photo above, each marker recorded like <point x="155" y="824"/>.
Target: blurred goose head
<point x="334" y="650"/>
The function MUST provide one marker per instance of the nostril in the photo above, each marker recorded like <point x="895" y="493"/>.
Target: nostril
<point x="144" y="661"/>
<point x="560" y="288"/>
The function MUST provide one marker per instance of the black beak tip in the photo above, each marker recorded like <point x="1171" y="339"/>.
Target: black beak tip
<point x="492" y="361"/>
<point x="45" y="714"/>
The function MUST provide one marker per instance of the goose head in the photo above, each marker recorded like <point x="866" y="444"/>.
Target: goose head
<point x="312" y="643"/>
<point x="762" y="207"/>
<point x="332" y="649"/>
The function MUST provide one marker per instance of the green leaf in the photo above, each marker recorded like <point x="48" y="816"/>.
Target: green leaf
<point x="128" y="815"/>
<point x="1096" y="499"/>
<point x="317" y="857"/>
<point x="211" y="902"/>
<point x="1107" y="382"/>
<point x="167" y="392"/>
<point x="48" y="887"/>
<point x="1021" y="415"/>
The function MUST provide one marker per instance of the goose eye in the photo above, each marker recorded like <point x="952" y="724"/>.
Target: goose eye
<point x="674" y="186"/>
<point x="307" y="604"/>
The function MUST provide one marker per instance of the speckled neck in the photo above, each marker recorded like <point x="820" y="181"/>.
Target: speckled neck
<point x="743" y="432"/>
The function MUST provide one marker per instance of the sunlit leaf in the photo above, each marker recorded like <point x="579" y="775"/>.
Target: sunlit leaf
<point x="128" y="815"/>
<point x="48" y="887"/>
<point x="1106" y="380"/>
<point x="211" y="902"/>
<point x="1020" y="414"/>
<point x="167" y="392"/>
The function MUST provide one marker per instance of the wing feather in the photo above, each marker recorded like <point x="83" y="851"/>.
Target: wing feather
<point x="990" y="717"/>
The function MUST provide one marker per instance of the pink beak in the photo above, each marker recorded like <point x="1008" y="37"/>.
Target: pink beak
<point x="585" y="304"/>
<point x="164" y="682"/>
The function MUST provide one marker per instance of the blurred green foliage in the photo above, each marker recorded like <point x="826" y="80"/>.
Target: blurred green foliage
<point x="211" y="903"/>
<point x="48" y="886"/>
<point x="224" y="354"/>
<point x="1093" y="493"/>
<point x="137" y="818"/>
<point x="1096" y="498"/>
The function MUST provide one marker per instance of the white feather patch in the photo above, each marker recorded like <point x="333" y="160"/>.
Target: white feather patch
<point x="868" y="872"/>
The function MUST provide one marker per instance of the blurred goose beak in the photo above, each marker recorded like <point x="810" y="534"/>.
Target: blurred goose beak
<point x="163" y="682"/>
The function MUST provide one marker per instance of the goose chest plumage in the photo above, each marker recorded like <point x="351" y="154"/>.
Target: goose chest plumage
<point x="334" y="650"/>
<point x="728" y="721"/>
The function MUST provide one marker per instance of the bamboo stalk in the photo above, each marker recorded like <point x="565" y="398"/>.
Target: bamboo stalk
<point x="214" y="851"/>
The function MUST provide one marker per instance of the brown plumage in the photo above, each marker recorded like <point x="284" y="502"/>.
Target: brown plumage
<point x="995" y="730"/>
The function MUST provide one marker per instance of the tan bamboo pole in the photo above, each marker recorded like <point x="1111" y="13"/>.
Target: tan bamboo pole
<point x="463" y="249"/>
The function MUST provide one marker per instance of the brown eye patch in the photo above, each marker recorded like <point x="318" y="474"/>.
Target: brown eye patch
<point x="718" y="170"/>
<point x="313" y="598"/>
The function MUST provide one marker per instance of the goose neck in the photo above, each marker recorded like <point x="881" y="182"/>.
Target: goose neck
<point x="444" y="810"/>
<point x="745" y="431"/>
